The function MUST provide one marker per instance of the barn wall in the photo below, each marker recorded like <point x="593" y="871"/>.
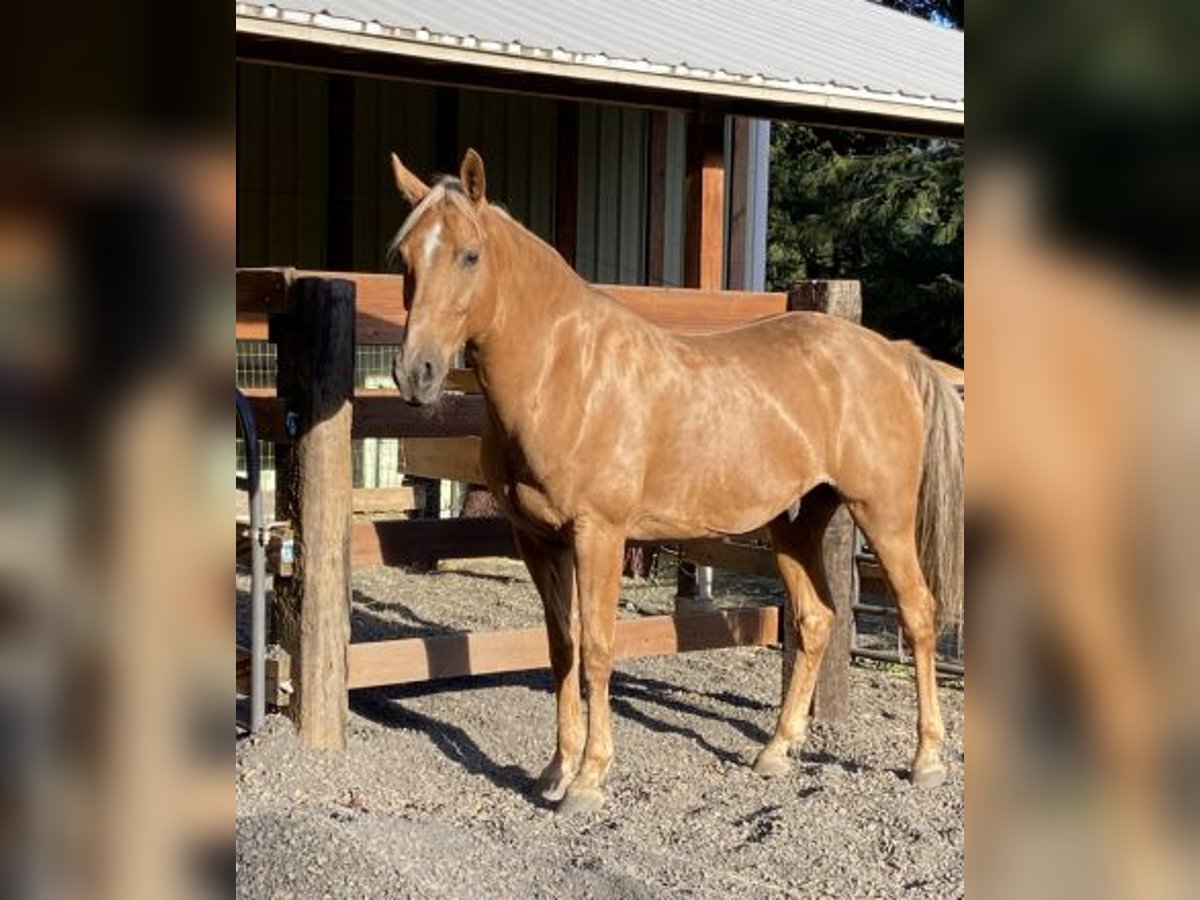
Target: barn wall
<point x="282" y="150"/>
<point x="315" y="188"/>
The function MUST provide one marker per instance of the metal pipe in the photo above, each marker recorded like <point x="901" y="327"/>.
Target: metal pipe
<point x="258" y="568"/>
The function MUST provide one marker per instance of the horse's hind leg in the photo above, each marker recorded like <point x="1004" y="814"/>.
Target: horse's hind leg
<point x="553" y="571"/>
<point x="798" y="553"/>
<point x="894" y="539"/>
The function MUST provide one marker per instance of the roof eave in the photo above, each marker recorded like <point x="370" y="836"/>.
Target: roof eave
<point x="940" y="116"/>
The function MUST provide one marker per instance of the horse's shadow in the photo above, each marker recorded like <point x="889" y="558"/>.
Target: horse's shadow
<point x="385" y="706"/>
<point x="630" y="697"/>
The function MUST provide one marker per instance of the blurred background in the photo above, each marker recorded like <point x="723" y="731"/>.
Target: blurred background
<point x="117" y="228"/>
<point x="1084" y="449"/>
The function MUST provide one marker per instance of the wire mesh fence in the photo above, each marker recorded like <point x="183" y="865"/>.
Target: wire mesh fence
<point x="375" y="460"/>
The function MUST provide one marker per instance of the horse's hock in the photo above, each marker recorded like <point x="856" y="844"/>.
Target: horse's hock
<point x="316" y="319"/>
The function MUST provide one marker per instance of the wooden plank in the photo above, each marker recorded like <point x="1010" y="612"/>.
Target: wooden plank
<point x="735" y="557"/>
<point x="312" y="607"/>
<point x="686" y="311"/>
<point x="388" y="499"/>
<point x="450" y="459"/>
<point x="461" y="654"/>
<point x="381" y="315"/>
<point x="395" y="543"/>
<point x="380" y="413"/>
<point x="251" y="327"/>
<point x="262" y="291"/>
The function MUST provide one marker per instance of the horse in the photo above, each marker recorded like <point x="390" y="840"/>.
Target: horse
<point x="600" y="427"/>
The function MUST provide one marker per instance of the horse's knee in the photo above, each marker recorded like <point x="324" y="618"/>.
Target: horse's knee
<point x="815" y="624"/>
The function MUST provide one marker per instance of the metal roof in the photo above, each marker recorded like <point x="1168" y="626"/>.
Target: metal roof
<point x="838" y="53"/>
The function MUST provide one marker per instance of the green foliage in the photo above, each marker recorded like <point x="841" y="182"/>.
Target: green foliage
<point x="885" y="210"/>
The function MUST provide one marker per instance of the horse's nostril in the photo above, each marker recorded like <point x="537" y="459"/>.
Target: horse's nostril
<point x="426" y="375"/>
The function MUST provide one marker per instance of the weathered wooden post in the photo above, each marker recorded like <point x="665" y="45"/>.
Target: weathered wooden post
<point x="831" y="700"/>
<point x="315" y="341"/>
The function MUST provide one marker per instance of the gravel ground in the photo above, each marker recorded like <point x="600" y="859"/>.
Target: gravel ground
<point x="432" y="798"/>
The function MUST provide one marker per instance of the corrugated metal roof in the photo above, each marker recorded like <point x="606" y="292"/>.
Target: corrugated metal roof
<point x="830" y="47"/>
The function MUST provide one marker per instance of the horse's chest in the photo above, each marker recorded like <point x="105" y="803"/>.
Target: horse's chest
<point x="523" y="496"/>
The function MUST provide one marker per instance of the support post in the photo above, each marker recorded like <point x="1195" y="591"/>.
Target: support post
<point x="831" y="699"/>
<point x="312" y="608"/>
<point x="703" y="267"/>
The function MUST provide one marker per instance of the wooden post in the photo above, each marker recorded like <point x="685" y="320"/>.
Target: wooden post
<point x="831" y="700"/>
<point x="704" y="250"/>
<point x="312" y="608"/>
<point x="703" y="267"/>
<point x="739" y="151"/>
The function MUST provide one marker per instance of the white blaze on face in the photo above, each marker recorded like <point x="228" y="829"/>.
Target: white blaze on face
<point x="430" y="244"/>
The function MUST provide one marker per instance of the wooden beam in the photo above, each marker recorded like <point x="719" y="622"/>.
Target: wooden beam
<point x="403" y="498"/>
<point x="381" y="315"/>
<point x="704" y="250"/>
<point x="379" y="413"/>
<point x="735" y="557"/>
<point x="460" y="654"/>
<point x="739" y="200"/>
<point x="312" y="606"/>
<point x="831" y="700"/>
<point x="449" y="459"/>
<point x="395" y="543"/>
<point x="685" y="311"/>
<point x="378" y="297"/>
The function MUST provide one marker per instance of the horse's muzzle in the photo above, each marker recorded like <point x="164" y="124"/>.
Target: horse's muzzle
<point x="420" y="377"/>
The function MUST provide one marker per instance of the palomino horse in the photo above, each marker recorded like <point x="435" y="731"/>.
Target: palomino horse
<point x="599" y="428"/>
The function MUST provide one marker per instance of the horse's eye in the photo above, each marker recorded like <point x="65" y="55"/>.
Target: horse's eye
<point x="470" y="257"/>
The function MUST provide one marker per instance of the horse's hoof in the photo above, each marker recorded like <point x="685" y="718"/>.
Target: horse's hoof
<point x="551" y="786"/>
<point x="772" y="765"/>
<point x="581" y="801"/>
<point x="929" y="776"/>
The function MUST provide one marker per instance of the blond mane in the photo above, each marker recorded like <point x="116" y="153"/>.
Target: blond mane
<point x="446" y="189"/>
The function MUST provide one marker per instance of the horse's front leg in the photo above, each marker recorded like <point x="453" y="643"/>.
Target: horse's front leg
<point x="552" y="567"/>
<point x="598" y="553"/>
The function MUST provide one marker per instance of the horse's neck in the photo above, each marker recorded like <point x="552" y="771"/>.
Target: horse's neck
<point x="535" y="291"/>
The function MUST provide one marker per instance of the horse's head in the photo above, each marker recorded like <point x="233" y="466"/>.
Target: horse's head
<point x="441" y="250"/>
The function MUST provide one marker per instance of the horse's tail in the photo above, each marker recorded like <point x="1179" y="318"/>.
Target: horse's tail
<point x="940" y="502"/>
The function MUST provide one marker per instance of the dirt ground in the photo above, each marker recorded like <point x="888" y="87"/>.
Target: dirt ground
<point x="433" y="797"/>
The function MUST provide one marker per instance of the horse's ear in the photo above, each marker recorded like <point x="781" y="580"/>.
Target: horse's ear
<point x="471" y="175"/>
<point x="412" y="187"/>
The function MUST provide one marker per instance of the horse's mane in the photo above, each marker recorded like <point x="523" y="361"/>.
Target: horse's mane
<point x="445" y="188"/>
